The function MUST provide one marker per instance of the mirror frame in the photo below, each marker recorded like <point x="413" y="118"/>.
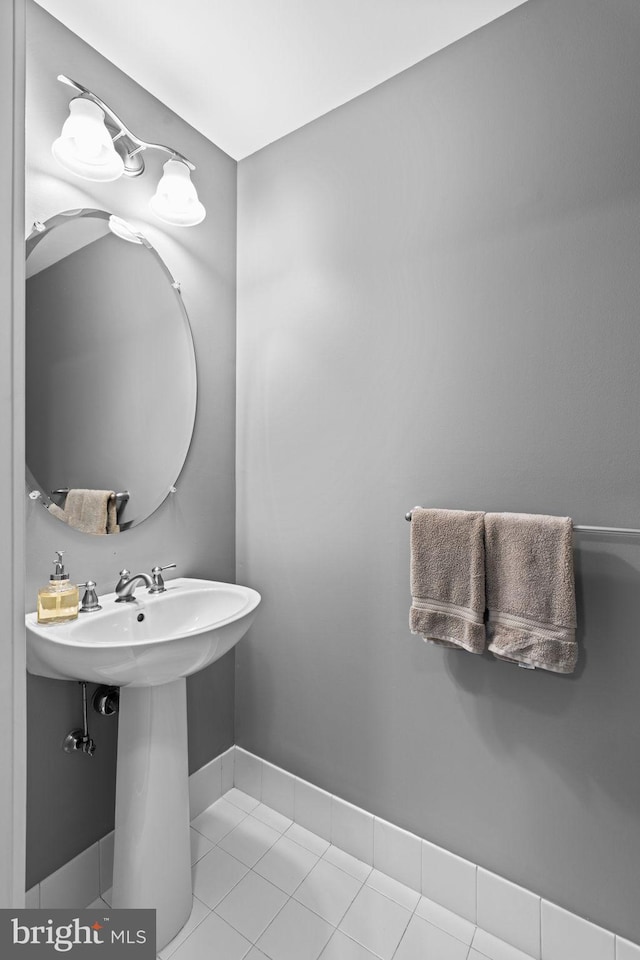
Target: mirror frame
<point x="40" y="230"/>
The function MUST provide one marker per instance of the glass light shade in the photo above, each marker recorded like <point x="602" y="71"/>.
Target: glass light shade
<point x="85" y="147"/>
<point x="176" y="200"/>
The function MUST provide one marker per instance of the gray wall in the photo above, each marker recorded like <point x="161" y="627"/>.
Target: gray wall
<point x="438" y="304"/>
<point x="70" y="798"/>
<point x="12" y="652"/>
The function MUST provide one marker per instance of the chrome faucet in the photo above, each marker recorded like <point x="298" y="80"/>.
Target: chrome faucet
<point x="127" y="584"/>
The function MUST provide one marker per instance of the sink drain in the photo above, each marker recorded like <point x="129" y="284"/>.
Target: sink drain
<point x="140" y="617"/>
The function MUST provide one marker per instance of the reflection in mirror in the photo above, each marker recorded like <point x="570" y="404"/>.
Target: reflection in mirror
<point x="110" y="372"/>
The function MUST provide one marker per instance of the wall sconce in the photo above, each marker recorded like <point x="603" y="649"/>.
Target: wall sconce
<point x="96" y="145"/>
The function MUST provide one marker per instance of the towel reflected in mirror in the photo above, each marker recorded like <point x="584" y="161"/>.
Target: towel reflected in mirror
<point x="90" y="511"/>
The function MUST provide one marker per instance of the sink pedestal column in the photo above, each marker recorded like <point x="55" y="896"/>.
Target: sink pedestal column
<point x="152" y="858"/>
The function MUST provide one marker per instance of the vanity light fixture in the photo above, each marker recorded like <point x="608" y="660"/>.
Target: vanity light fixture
<point x="96" y="145"/>
<point x="176" y="200"/>
<point x="85" y="147"/>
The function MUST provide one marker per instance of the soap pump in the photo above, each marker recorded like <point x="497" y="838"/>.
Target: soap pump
<point x="58" y="601"/>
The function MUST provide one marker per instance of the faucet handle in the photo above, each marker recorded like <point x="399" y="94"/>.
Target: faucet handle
<point x="90" y="600"/>
<point x="158" y="582"/>
<point x="125" y="576"/>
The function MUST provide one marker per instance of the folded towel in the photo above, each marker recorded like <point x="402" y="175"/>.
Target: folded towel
<point x="530" y="590"/>
<point x="91" y="511"/>
<point x="447" y="578"/>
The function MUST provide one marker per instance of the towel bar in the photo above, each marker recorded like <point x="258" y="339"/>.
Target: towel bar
<point x="121" y="497"/>
<point x="578" y="528"/>
<point x="46" y="501"/>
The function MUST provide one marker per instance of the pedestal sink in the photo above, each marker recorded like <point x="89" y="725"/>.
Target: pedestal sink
<point x="147" y="647"/>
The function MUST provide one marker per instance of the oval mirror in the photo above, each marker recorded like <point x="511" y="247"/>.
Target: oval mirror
<point x="110" y="372"/>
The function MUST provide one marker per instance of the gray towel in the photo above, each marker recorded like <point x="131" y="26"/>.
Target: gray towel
<point x="91" y="511"/>
<point x="530" y="590"/>
<point x="447" y="578"/>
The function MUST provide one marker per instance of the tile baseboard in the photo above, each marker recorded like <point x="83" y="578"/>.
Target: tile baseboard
<point x="507" y="911"/>
<point x="456" y="884"/>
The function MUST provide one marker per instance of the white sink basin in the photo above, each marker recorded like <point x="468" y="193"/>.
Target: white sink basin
<point x="147" y="647"/>
<point x="151" y="640"/>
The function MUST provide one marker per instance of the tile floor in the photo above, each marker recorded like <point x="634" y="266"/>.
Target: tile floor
<point x="267" y="889"/>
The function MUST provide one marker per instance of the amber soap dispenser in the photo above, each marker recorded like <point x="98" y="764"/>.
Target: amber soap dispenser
<point x="58" y="601"/>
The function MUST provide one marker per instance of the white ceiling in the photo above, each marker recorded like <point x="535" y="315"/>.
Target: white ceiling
<point x="246" y="72"/>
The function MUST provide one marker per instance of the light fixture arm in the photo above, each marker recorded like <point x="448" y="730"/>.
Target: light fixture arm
<point x="123" y="132"/>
